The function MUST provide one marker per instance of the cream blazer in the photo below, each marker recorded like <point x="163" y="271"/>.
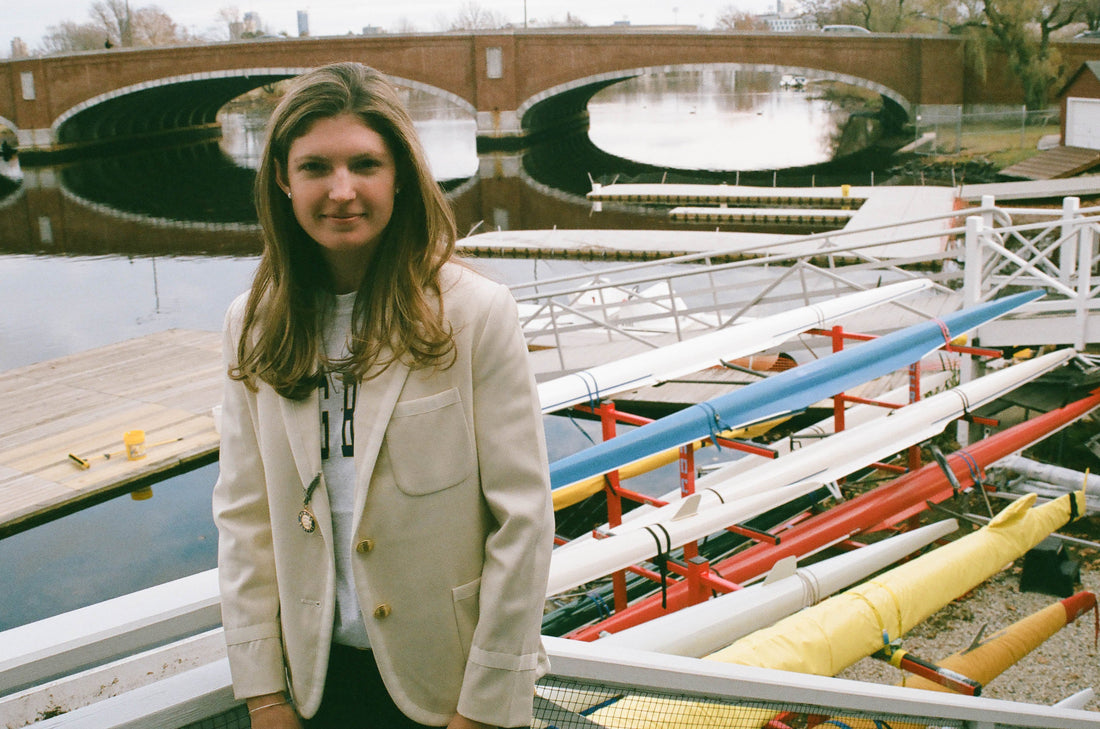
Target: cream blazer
<point x="453" y="534"/>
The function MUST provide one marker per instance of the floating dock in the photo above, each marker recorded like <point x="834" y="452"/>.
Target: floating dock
<point x="824" y="217"/>
<point x="166" y="384"/>
<point x="885" y="221"/>
<point x="730" y="195"/>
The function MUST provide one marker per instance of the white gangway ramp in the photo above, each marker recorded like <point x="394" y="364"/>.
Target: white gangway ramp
<point x="707" y="350"/>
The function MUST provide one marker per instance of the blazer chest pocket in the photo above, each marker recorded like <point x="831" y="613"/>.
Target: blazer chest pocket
<point x="429" y="444"/>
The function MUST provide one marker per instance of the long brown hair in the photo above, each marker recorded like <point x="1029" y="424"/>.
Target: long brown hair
<point x="398" y="314"/>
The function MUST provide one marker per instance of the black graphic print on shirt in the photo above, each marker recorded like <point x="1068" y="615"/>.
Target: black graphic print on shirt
<point x="337" y="406"/>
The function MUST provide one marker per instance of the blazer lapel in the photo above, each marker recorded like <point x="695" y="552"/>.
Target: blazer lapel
<point x="303" y="426"/>
<point x="373" y="406"/>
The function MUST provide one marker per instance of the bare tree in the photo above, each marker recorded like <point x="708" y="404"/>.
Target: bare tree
<point x="69" y="37"/>
<point x="1090" y="13"/>
<point x="115" y="23"/>
<point x="472" y="16"/>
<point x="1022" y="29"/>
<point x="153" y="27"/>
<point x="730" y="18"/>
<point x="569" y="21"/>
<point x="405" y="26"/>
<point x="833" y="12"/>
<point x="116" y="19"/>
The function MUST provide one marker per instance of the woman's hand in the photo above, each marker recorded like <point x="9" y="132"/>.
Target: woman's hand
<point x="272" y="711"/>
<point x="461" y="722"/>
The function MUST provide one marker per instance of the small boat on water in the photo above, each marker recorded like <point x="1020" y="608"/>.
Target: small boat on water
<point x="792" y="81"/>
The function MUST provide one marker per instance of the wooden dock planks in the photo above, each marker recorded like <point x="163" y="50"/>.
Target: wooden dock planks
<point x="166" y="384"/>
<point x="1056" y="163"/>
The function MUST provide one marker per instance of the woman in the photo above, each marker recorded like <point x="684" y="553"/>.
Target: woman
<point x="383" y="503"/>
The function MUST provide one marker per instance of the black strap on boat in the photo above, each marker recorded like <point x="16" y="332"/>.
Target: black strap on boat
<point x="601" y="605"/>
<point x="661" y="560"/>
<point x="977" y="476"/>
<point x="714" y="422"/>
<point x="591" y="388"/>
<point x="1073" y="514"/>
<point x="941" y="460"/>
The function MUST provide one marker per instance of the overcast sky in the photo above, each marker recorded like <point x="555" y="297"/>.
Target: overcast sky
<point x="29" y="19"/>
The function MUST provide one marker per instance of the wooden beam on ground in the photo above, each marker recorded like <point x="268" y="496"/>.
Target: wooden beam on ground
<point x="1054" y="164"/>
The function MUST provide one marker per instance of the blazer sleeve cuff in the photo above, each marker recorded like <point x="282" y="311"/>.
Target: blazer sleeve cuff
<point x="498" y="695"/>
<point x="256" y="664"/>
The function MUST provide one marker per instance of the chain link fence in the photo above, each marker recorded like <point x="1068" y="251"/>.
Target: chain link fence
<point x="984" y="130"/>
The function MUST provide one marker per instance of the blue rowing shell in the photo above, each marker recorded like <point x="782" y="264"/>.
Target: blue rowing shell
<point x="787" y="392"/>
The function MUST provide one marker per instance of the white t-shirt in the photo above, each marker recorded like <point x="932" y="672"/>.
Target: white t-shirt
<point x="338" y="464"/>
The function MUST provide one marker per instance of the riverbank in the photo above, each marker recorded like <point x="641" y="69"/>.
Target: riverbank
<point x="979" y="156"/>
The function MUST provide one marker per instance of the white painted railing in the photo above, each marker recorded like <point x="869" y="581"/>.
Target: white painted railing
<point x="167" y="686"/>
<point x="986" y="255"/>
<point x="1057" y="254"/>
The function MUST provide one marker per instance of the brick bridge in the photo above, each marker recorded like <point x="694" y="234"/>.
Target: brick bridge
<point x="517" y="83"/>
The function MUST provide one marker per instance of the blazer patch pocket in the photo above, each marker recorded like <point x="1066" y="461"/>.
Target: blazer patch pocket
<point x="428" y="443"/>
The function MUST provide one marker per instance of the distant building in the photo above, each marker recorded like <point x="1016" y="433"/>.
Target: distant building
<point x="252" y="24"/>
<point x="19" y="48"/>
<point x="785" y="20"/>
<point x="303" y="23"/>
<point x="789" y="23"/>
<point x="1080" y="102"/>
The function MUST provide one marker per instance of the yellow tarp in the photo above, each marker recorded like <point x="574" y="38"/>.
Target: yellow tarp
<point x="832" y="635"/>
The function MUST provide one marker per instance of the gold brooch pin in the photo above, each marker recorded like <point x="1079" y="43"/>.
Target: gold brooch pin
<point x="305" y="517"/>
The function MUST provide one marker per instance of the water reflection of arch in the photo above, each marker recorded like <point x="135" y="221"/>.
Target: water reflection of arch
<point x="138" y="204"/>
<point x="9" y="125"/>
<point x="183" y="102"/>
<point x="10" y="191"/>
<point x="567" y="103"/>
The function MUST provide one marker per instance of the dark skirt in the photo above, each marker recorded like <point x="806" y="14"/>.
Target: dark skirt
<point x="355" y="697"/>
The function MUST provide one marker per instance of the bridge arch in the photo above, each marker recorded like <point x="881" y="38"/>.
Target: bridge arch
<point x="568" y="101"/>
<point x="185" y="101"/>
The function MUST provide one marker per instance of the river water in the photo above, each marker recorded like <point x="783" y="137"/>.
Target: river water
<point x="103" y="250"/>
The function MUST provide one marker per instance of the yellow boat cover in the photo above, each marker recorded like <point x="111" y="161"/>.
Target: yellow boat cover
<point x="832" y="635"/>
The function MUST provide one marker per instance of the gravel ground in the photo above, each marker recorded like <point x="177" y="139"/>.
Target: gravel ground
<point x="1064" y="664"/>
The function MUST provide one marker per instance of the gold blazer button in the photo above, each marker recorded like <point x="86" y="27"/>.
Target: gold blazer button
<point x="364" y="546"/>
<point x="382" y="611"/>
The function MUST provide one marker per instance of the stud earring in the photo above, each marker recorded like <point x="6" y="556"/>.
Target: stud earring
<point x="289" y="195"/>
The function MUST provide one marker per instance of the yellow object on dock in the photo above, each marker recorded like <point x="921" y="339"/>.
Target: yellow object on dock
<point x="60" y="418"/>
